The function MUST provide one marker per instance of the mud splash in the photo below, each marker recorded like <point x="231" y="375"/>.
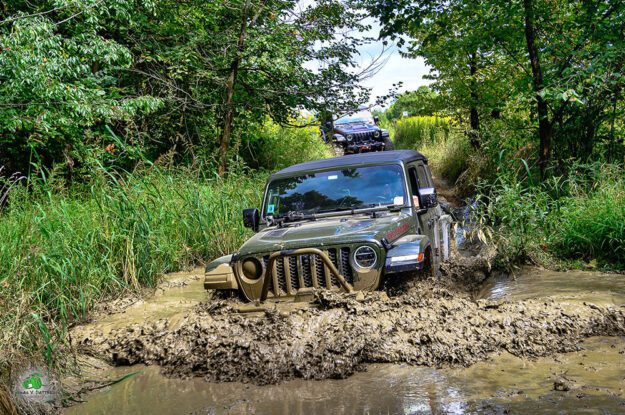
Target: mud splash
<point x="426" y="325"/>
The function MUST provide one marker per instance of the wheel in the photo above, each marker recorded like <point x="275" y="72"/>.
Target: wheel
<point x="388" y="144"/>
<point x="428" y="270"/>
<point x="338" y="150"/>
<point x="401" y="283"/>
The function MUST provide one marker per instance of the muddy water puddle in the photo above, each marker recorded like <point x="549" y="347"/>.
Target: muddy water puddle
<point x="595" y="378"/>
<point x="179" y="293"/>
<point x="574" y="286"/>
<point x="591" y="380"/>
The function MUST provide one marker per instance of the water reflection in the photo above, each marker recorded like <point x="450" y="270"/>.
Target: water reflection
<point x="504" y="384"/>
<point x="383" y="389"/>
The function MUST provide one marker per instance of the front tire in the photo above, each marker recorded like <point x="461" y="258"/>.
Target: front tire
<point x="338" y="150"/>
<point x="428" y="271"/>
<point x="388" y="144"/>
<point x="402" y="283"/>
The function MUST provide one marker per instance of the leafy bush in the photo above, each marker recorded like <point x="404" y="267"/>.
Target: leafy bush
<point x="60" y="88"/>
<point x="273" y="147"/>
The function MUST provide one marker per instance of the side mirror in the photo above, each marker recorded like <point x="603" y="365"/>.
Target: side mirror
<point x="328" y="125"/>
<point x="251" y="219"/>
<point x="376" y="119"/>
<point x="427" y="198"/>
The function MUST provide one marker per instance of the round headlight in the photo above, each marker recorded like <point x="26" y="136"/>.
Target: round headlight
<point x="252" y="268"/>
<point x="349" y="137"/>
<point x="365" y="257"/>
<point x="376" y="134"/>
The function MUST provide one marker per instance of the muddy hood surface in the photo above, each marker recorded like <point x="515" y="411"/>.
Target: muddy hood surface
<point x="329" y="231"/>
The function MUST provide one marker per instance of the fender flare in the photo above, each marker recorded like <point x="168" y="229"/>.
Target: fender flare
<point x="407" y="254"/>
<point x="219" y="274"/>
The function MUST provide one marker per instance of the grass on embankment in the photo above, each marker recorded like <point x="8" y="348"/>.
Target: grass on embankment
<point x="572" y="222"/>
<point x="446" y="148"/>
<point x="64" y="249"/>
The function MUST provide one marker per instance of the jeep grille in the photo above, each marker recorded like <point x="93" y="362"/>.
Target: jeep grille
<point x="308" y="270"/>
<point x="364" y="136"/>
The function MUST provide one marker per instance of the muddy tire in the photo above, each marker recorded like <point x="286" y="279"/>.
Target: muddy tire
<point x="402" y="283"/>
<point x="428" y="271"/>
<point x="338" y="151"/>
<point x="388" y="144"/>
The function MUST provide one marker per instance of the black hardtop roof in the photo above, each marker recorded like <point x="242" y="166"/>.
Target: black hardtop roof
<point x="353" y="160"/>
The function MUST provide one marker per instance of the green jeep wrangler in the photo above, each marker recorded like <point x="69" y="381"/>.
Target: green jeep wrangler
<point x="344" y="223"/>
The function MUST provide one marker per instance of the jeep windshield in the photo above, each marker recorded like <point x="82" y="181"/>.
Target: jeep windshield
<point x="335" y="191"/>
<point x="361" y="117"/>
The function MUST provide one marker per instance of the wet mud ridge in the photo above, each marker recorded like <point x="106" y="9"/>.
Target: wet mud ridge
<point x="429" y="324"/>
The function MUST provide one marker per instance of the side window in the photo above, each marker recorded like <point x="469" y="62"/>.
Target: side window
<point x="414" y="186"/>
<point x="423" y="177"/>
<point x="414" y="181"/>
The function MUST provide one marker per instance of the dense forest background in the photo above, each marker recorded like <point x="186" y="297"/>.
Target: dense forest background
<point x="132" y="133"/>
<point x="115" y="83"/>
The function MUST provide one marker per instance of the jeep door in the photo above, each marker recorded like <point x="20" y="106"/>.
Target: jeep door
<point x="422" y="189"/>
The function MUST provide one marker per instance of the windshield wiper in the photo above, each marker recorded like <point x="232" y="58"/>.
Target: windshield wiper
<point x="296" y="216"/>
<point x="357" y="210"/>
<point x="292" y="216"/>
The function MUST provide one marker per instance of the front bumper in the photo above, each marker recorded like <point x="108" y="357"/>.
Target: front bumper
<point x="220" y="278"/>
<point x="364" y="147"/>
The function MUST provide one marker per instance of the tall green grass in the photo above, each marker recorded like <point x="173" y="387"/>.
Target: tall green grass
<point x="62" y="248"/>
<point x="414" y="132"/>
<point x="272" y="146"/>
<point x="592" y="220"/>
<point x="446" y="148"/>
<point x="574" y="221"/>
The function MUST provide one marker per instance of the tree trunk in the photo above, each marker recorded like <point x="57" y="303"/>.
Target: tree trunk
<point x="474" y="116"/>
<point x="226" y="125"/>
<point x="544" y="125"/>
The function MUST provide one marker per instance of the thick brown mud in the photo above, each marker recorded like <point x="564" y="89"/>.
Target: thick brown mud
<point x="429" y="324"/>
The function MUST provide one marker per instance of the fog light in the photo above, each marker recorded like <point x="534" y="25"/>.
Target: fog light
<point x="252" y="268"/>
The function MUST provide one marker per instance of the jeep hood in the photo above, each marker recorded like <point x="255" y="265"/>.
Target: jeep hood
<point x="329" y="231"/>
<point x="355" y="128"/>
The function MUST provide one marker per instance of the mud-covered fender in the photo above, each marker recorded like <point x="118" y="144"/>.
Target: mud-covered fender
<point x="219" y="275"/>
<point x="407" y="254"/>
